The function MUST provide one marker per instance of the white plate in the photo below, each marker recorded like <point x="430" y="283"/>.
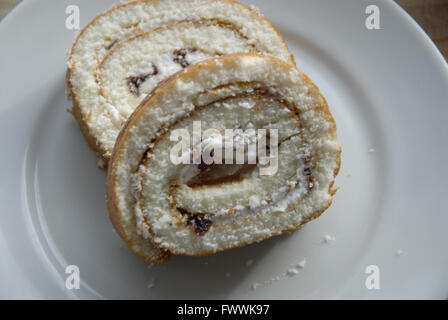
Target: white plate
<point x="387" y="90"/>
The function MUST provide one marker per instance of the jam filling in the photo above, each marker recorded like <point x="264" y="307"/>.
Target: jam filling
<point x="200" y="224"/>
<point x="219" y="174"/>
<point x="134" y="82"/>
<point x="179" y="56"/>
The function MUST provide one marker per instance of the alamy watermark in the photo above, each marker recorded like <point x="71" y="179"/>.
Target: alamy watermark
<point x="73" y="280"/>
<point x="233" y="146"/>
<point x="373" y="18"/>
<point x="72" y="20"/>
<point x="373" y="279"/>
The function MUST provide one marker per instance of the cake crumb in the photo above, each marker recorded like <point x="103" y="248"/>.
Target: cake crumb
<point x="275" y="279"/>
<point x="292" y="272"/>
<point x="296" y="268"/>
<point x="328" y="239"/>
<point x="249" y="262"/>
<point x="301" y="264"/>
<point x="255" y="286"/>
<point x="100" y="163"/>
<point x="152" y="284"/>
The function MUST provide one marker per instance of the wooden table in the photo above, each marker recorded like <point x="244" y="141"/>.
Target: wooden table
<point x="432" y="15"/>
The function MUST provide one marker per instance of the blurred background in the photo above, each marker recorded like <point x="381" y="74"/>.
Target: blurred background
<point x="431" y="15"/>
